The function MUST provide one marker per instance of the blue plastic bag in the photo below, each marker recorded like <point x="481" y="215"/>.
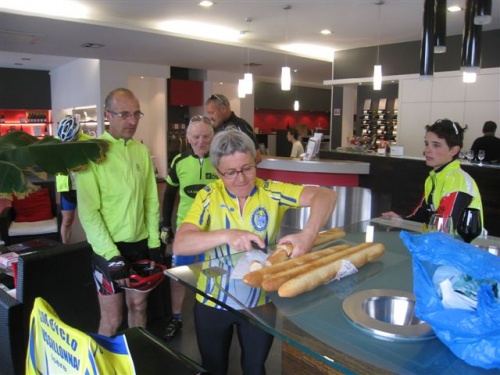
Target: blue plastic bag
<point x="473" y="336"/>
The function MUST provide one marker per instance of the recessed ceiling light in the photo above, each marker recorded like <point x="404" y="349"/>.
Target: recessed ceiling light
<point x="454" y="8"/>
<point x="325" y="32"/>
<point x="206" y="4"/>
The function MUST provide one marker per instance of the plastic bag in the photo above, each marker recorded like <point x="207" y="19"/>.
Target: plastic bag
<point x="473" y="336"/>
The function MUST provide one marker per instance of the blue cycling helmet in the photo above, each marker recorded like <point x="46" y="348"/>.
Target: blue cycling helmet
<point x="68" y="129"/>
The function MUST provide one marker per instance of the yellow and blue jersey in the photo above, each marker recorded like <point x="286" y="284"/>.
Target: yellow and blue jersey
<point x="215" y="208"/>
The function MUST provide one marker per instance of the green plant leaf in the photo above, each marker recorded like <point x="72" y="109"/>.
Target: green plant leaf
<point x="22" y="154"/>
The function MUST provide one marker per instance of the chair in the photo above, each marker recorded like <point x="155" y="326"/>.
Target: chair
<point x="33" y="217"/>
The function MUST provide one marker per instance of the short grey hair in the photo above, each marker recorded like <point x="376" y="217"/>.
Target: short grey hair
<point x="229" y="142"/>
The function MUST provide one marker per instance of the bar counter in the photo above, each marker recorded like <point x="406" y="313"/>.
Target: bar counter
<point x="397" y="183"/>
<point x="316" y="336"/>
<point x="320" y="172"/>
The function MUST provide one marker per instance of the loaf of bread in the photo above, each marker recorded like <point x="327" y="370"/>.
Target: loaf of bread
<point x="321" y="275"/>
<point x="281" y="254"/>
<point x="273" y="282"/>
<point x="255" y="278"/>
<point x="329" y="236"/>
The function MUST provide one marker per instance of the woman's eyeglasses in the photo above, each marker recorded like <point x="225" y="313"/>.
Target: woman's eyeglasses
<point x="231" y="174"/>
<point x="127" y="115"/>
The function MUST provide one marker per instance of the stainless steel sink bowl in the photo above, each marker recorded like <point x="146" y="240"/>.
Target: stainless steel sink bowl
<point x="386" y="314"/>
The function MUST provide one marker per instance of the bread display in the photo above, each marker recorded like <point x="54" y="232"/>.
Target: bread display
<point x="273" y="282"/>
<point x="303" y="273"/>
<point x="311" y="279"/>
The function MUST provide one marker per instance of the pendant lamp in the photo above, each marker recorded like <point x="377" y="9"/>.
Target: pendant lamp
<point x="286" y="75"/>
<point x="377" y="68"/>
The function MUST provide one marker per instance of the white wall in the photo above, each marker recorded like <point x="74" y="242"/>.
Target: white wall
<point x="422" y="102"/>
<point x="75" y="84"/>
<point x="85" y="82"/>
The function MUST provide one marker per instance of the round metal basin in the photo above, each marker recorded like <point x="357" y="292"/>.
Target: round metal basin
<point x="386" y="314"/>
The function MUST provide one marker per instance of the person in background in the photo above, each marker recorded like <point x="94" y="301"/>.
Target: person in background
<point x="68" y="130"/>
<point x="190" y="171"/>
<point x="219" y="111"/>
<point x="448" y="189"/>
<point x="488" y="142"/>
<point x="293" y="137"/>
<point x="119" y="212"/>
<point x="230" y="216"/>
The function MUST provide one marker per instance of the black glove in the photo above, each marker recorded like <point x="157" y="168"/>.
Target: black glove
<point x="156" y="255"/>
<point x="118" y="268"/>
<point x="166" y="235"/>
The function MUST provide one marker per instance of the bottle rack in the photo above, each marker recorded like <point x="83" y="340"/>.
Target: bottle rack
<point x="380" y="120"/>
<point x="32" y="121"/>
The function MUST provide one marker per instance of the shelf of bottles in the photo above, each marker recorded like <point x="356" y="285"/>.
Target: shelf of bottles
<point x="379" y="121"/>
<point x="368" y="120"/>
<point x="33" y="121"/>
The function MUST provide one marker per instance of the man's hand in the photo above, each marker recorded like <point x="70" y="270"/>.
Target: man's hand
<point x="119" y="268"/>
<point x="166" y="235"/>
<point x="156" y="255"/>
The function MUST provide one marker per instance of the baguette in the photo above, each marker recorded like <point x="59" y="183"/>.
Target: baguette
<point x="255" y="278"/>
<point x="319" y="276"/>
<point x="281" y="254"/>
<point x="273" y="282"/>
<point x="328" y="236"/>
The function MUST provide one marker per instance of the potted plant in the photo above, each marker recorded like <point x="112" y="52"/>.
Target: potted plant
<point x="22" y="155"/>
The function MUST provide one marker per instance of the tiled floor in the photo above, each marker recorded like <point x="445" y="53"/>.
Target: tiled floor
<point x="185" y="341"/>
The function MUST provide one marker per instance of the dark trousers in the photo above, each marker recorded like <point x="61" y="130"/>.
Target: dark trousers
<point x="214" y="331"/>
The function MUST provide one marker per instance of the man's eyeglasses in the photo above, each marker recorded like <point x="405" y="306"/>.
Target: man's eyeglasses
<point x="204" y="119"/>
<point x="127" y="115"/>
<point x="231" y="174"/>
<point x="215" y="97"/>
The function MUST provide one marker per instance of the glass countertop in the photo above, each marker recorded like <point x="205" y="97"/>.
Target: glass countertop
<point x="314" y="322"/>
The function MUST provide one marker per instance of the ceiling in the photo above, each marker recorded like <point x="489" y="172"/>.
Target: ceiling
<point x="128" y="30"/>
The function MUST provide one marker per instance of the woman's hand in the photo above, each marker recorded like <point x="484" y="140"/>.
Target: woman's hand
<point x="301" y="242"/>
<point x="243" y="240"/>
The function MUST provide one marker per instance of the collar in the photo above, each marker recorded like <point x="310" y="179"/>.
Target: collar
<point x="454" y="164"/>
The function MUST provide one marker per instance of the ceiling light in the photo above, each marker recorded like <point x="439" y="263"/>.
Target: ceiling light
<point x="310" y="50"/>
<point x="206" y="4"/>
<point x="241" y="88"/>
<point x="326" y="32"/>
<point x="296" y="105"/>
<point x="483" y="12"/>
<point x="200" y="30"/>
<point x="286" y="76"/>
<point x="60" y="8"/>
<point x="454" y="8"/>
<point x="248" y="77"/>
<point x="469" y="77"/>
<point x="440" y="27"/>
<point x="377" y="68"/>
